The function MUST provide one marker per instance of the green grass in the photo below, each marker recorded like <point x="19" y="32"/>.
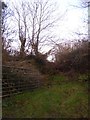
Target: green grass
<point x="67" y="100"/>
<point x="57" y="79"/>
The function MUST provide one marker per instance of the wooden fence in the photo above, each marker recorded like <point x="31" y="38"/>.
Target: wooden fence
<point x="16" y="80"/>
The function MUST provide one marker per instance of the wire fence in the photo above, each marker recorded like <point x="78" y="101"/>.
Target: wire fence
<point x="16" y="80"/>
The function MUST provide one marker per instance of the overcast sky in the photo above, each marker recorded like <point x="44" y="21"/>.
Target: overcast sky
<point x="73" y="19"/>
<point x="71" y="22"/>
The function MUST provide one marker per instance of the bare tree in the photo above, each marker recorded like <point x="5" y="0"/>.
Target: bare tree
<point x="35" y="20"/>
<point x="42" y="20"/>
<point x="6" y="29"/>
<point x="3" y="15"/>
<point x="82" y="31"/>
<point x="3" y="29"/>
<point x="85" y="3"/>
<point x="21" y="22"/>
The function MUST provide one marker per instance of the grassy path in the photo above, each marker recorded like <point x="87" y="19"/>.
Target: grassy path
<point x="66" y="100"/>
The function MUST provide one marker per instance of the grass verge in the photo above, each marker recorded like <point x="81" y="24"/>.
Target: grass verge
<point x="67" y="100"/>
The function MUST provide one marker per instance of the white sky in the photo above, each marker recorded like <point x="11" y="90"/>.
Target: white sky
<point x="71" y="22"/>
<point x="73" y="19"/>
